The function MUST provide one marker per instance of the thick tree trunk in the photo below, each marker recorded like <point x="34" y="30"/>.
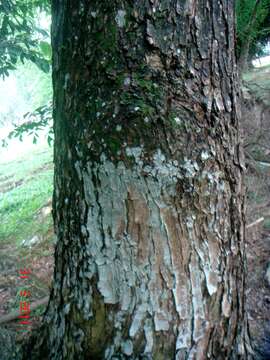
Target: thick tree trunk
<point x="148" y="201"/>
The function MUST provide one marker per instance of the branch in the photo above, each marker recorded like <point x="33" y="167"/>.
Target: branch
<point x="15" y="314"/>
<point x="261" y="206"/>
<point x="249" y="83"/>
<point x="252" y="17"/>
<point x="257" y="222"/>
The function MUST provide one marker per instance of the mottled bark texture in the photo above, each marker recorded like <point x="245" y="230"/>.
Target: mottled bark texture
<point x="148" y="200"/>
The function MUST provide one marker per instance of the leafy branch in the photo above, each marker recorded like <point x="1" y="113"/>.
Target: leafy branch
<point x="20" y="38"/>
<point x="34" y="122"/>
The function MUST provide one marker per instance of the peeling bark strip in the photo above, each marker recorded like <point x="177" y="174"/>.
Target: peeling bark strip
<point x="148" y="201"/>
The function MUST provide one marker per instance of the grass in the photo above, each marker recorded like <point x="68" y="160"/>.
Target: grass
<point x="258" y="81"/>
<point x="26" y="185"/>
<point x="266" y="224"/>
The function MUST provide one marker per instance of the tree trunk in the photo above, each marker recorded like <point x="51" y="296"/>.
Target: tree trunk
<point x="244" y="56"/>
<point x="148" y="199"/>
<point x="243" y="61"/>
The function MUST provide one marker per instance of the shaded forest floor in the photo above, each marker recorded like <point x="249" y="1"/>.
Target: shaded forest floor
<point x="27" y="239"/>
<point x="256" y="139"/>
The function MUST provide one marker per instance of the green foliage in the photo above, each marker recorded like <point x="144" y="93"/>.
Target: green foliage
<point x="20" y="38"/>
<point x="23" y="40"/>
<point x="34" y="86"/>
<point x="35" y="121"/>
<point x="258" y="48"/>
<point x="27" y="80"/>
<point x="252" y="25"/>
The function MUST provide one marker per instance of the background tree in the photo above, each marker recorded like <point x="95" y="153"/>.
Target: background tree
<point x="252" y="29"/>
<point x="259" y="47"/>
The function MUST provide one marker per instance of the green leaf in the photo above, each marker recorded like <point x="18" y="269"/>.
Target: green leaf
<point x="46" y="49"/>
<point x="50" y="140"/>
<point x="41" y="63"/>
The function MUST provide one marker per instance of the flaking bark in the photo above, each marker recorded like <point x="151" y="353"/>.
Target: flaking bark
<point x="148" y="200"/>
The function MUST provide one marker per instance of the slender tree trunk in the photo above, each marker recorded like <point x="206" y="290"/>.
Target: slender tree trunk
<point x="244" y="55"/>
<point x="243" y="61"/>
<point x="148" y="200"/>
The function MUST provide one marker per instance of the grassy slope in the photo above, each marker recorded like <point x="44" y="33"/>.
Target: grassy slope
<point x="258" y="80"/>
<point x="26" y="184"/>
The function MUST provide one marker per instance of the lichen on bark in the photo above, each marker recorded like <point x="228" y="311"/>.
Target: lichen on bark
<point x="148" y="200"/>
